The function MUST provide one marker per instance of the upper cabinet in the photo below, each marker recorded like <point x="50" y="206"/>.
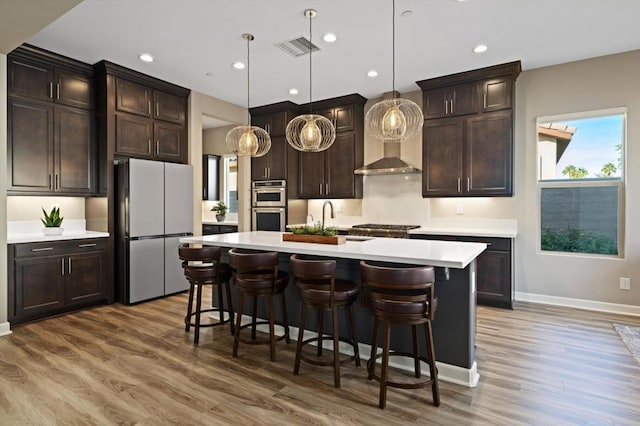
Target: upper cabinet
<point x="329" y="174"/>
<point x="51" y="135"/>
<point x="143" y="117"/>
<point x="468" y="133"/>
<point x="276" y="163"/>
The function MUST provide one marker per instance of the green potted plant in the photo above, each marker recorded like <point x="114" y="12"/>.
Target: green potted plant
<point x="52" y="221"/>
<point x="221" y="211"/>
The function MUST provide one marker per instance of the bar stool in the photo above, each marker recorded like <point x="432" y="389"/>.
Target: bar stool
<point x="319" y="289"/>
<point x="202" y="267"/>
<point x="256" y="274"/>
<point x="403" y="296"/>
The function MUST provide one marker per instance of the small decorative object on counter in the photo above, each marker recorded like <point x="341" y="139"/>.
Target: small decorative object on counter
<point x="52" y="221"/>
<point x="314" y="234"/>
<point x="221" y="211"/>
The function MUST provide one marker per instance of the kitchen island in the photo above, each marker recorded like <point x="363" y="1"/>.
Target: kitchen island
<point x="454" y="323"/>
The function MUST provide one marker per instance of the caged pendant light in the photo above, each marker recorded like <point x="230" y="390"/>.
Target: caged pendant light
<point x="310" y="132"/>
<point x="396" y="119"/>
<point x="248" y="140"/>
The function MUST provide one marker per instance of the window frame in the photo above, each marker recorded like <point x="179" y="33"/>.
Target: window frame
<point x="620" y="183"/>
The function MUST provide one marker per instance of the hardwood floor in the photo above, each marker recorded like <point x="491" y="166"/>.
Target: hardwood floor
<point x="136" y="365"/>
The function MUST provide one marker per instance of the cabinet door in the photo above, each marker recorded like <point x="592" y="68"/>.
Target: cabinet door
<point x="73" y="89"/>
<point x="442" y="158"/>
<point x="494" y="278"/>
<point x="340" y="163"/>
<point x="496" y="94"/>
<point x="39" y="285"/>
<point x="134" y="98"/>
<point x="311" y="175"/>
<point x="260" y="167"/>
<point x="435" y="102"/>
<point x="30" y="79"/>
<point x="168" y="107"/>
<point x="462" y="99"/>
<point x="488" y="154"/>
<point x="210" y="177"/>
<point x="262" y="121"/>
<point x="73" y="151"/>
<point x="30" y="146"/>
<point x="84" y="277"/>
<point x="343" y="118"/>
<point x="278" y="158"/>
<point x="170" y="143"/>
<point x="133" y="135"/>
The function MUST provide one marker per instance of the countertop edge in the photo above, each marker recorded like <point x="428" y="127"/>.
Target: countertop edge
<point x="52" y="238"/>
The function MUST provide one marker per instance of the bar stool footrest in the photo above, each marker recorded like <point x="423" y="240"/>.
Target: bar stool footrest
<point x="213" y="324"/>
<point x="417" y="385"/>
<point x="315" y="361"/>
<point x="265" y="341"/>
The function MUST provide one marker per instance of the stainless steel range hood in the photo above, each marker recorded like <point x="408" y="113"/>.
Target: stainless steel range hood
<point x="390" y="164"/>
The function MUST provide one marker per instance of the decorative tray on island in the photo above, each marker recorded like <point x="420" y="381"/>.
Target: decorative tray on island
<point x="317" y="234"/>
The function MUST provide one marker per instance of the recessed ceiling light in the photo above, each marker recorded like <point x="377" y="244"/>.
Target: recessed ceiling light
<point x="372" y="73"/>
<point x="238" y="65"/>
<point x="480" y="48"/>
<point x="293" y="91"/>
<point x="146" y="57"/>
<point x="329" y="37"/>
<point x="406" y="13"/>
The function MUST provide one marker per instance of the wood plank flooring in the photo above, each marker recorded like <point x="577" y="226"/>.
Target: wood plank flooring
<point x="539" y="365"/>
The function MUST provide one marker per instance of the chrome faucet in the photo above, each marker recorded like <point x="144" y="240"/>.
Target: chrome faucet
<point x="333" y="216"/>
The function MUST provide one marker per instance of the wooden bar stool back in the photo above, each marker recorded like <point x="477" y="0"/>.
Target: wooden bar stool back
<point x="202" y="267"/>
<point x="321" y="290"/>
<point x="403" y="296"/>
<point x="256" y="274"/>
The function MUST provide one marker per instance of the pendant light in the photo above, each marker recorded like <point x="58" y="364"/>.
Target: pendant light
<point x="248" y="140"/>
<point x="310" y="132"/>
<point x="396" y="119"/>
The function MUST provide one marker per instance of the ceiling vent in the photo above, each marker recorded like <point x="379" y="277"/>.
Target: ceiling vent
<point x="297" y="47"/>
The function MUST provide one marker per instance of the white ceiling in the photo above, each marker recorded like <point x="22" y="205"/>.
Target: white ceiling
<point x="190" y="38"/>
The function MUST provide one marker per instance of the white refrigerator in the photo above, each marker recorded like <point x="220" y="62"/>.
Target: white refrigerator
<point x="154" y="209"/>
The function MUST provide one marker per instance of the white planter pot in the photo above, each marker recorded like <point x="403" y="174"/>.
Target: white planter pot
<point x="53" y="230"/>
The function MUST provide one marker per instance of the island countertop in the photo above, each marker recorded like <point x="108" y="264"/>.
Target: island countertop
<point x="448" y="254"/>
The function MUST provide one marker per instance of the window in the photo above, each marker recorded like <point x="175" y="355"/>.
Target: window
<point x="581" y="182"/>
<point x="230" y="182"/>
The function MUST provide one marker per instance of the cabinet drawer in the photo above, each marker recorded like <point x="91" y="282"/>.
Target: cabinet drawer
<point x="52" y="248"/>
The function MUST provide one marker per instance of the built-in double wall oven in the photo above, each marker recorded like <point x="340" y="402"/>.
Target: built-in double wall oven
<point x="268" y="205"/>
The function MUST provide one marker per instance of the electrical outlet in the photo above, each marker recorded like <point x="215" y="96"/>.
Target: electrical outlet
<point x="625" y="283"/>
<point x="459" y="208"/>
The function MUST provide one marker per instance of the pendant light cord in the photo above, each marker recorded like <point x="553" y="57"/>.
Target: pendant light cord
<point x="393" y="50"/>
<point x="310" y="67"/>
<point x="248" y="82"/>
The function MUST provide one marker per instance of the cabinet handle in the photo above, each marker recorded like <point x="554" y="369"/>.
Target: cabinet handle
<point x="326" y="188"/>
<point x="58" y="91"/>
<point x="51" y="89"/>
<point x="57" y="183"/>
<point x="320" y="189"/>
<point x="157" y="109"/>
<point x="484" y="100"/>
<point x="459" y="185"/>
<point x="451" y="106"/>
<point x="148" y="105"/>
<point x="86" y="245"/>
<point x="204" y="192"/>
<point x="62" y="265"/>
<point x="265" y="172"/>
<point x="50" y="181"/>
<point x="446" y="107"/>
<point x="468" y="184"/>
<point x="149" y="146"/>
<point x="42" y="249"/>
<point x="69" y="269"/>
<point x="268" y="172"/>
<point x="157" y="148"/>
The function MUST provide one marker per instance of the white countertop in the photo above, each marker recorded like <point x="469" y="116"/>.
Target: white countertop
<point x="421" y="252"/>
<point x="31" y="232"/>
<point x="499" y="228"/>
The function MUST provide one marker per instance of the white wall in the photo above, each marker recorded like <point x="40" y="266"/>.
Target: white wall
<point x="593" y="84"/>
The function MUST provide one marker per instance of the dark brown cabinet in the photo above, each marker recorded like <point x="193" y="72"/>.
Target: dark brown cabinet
<point x="274" y="119"/>
<point x="210" y="177"/>
<point x="494" y="266"/>
<point x="53" y="277"/>
<point x="468" y="133"/>
<point x="51" y="136"/>
<point x="329" y="174"/>
<point x="208" y="229"/>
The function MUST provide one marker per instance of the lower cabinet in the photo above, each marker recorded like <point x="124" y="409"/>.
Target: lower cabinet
<point x="49" y="278"/>
<point x="218" y="229"/>
<point x="494" y="276"/>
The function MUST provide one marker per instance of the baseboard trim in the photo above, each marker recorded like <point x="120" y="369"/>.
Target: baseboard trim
<point x="5" y="329"/>
<point x="614" y="308"/>
<point x="468" y="377"/>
